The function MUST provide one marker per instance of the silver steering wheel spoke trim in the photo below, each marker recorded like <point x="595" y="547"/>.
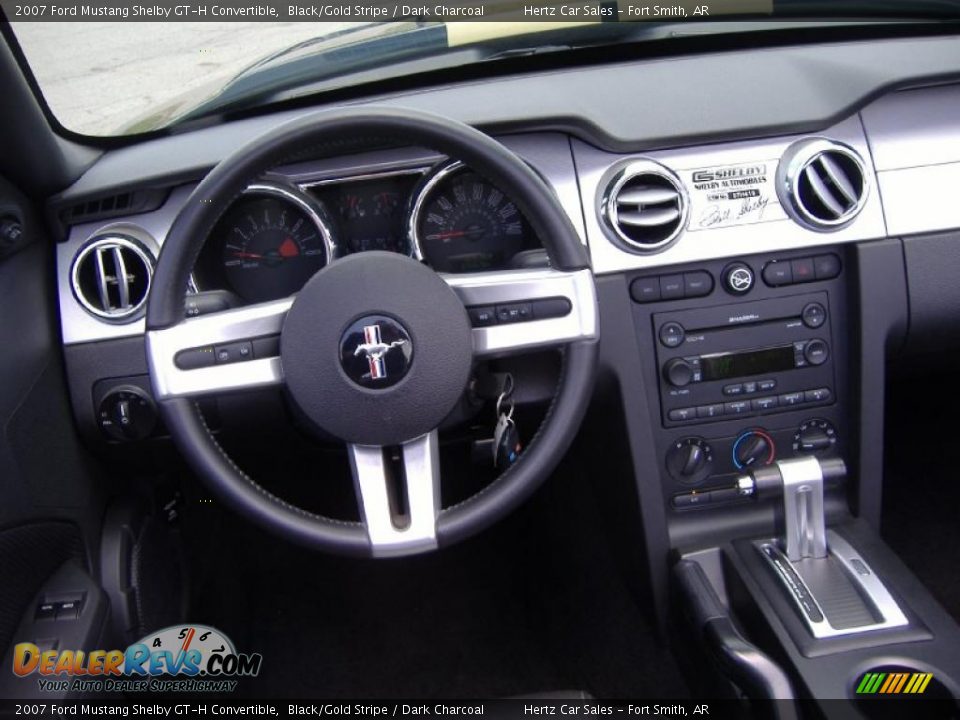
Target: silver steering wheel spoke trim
<point x="266" y="319"/>
<point x="399" y="502"/>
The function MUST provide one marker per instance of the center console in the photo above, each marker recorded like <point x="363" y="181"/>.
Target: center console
<point x="755" y="406"/>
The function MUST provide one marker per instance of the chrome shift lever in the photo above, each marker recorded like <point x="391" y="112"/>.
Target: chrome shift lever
<point x="800" y="481"/>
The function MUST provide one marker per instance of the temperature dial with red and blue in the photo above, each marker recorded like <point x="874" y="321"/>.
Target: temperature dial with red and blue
<point x="754" y="448"/>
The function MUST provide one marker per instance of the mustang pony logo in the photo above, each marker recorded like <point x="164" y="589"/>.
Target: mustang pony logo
<point x="374" y="348"/>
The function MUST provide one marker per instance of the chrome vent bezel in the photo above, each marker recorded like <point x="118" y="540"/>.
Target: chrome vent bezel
<point x="671" y="192"/>
<point x="800" y="159"/>
<point x="108" y="248"/>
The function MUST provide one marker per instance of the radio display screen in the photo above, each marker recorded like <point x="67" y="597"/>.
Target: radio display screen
<point x="726" y="366"/>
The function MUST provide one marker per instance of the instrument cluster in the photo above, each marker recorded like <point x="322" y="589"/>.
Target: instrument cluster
<point x="277" y="235"/>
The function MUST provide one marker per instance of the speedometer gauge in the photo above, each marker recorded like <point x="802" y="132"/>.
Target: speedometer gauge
<point x="273" y="242"/>
<point x="462" y="223"/>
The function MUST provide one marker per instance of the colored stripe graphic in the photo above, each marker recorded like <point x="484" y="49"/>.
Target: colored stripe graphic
<point x="894" y="683"/>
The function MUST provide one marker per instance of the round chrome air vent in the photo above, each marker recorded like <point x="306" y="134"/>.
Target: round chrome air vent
<point x="645" y="206"/>
<point x="111" y="277"/>
<point x="822" y="184"/>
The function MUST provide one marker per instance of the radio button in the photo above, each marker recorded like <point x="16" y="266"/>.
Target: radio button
<point x="672" y="335"/>
<point x="794" y="398"/>
<point x="814" y="315"/>
<point x="644" y="290"/>
<point x="731" y="390"/>
<point x="778" y="273"/>
<point x="802" y="270"/>
<point x="767" y="385"/>
<point x="767" y="403"/>
<point x="816" y="352"/>
<point x="749" y="388"/>
<point x="671" y="287"/>
<point x="683" y="414"/>
<point x="818" y="396"/>
<point x="737" y="407"/>
<point x="698" y="284"/>
<point x="710" y="411"/>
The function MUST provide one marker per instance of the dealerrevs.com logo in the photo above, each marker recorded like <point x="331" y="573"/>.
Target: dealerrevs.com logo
<point x="191" y="658"/>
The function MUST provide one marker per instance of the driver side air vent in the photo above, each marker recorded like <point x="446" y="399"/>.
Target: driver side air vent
<point x="111" y="277"/>
<point x="645" y="206"/>
<point x="822" y="184"/>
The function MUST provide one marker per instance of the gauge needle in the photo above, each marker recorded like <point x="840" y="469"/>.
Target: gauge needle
<point x="447" y="235"/>
<point x="252" y="256"/>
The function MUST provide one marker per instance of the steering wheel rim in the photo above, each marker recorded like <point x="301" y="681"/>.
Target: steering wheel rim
<point x="570" y="277"/>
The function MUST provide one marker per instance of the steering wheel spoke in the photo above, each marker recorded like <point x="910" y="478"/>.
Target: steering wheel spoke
<point x="517" y="311"/>
<point x="399" y="497"/>
<point x="220" y="352"/>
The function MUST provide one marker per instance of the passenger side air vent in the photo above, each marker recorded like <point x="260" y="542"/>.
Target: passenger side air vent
<point x="822" y="184"/>
<point x="645" y="206"/>
<point x="111" y="277"/>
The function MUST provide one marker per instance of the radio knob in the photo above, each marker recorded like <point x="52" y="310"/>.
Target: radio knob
<point x="678" y="372"/>
<point x="753" y="448"/>
<point x="690" y="460"/>
<point x="816" y="352"/>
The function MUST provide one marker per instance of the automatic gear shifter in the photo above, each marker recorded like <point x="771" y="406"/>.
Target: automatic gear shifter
<point x="833" y="587"/>
<point x="801" y="483"/>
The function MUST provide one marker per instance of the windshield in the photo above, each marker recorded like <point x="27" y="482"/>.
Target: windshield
<point x="128" y="76"/>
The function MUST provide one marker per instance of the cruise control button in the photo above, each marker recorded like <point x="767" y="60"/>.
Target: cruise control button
<point x="737" y="407"/>
<point x="777" y="273"/>
<point x="698" y="284"/>
<point x="672" y="335"/>
<point x="819" y="395"/>
<point x="802" y="270"/>
<point x="514" y="313"/>
<point x="234" y="352"/>
<point x="671" y="287"/>
<point x="683" y="414"/>
<point x="814" y="315"/>
<point x="644" y="290"/>
<point x="826" y="267"/>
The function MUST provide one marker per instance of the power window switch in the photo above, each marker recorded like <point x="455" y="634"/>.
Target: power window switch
<point x="45" y="611"/>
<point x="68" y="610"/>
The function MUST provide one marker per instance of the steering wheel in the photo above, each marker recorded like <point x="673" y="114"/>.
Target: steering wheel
<point x="369" y="308"/>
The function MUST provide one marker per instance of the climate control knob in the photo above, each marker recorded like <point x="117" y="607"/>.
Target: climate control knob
<point x="678" y="372"/>
<point x="754" y="448"/>
<point x="690" y="460"/>
<point x="814" y="437"/>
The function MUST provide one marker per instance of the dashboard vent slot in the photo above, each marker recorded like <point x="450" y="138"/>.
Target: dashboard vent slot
<point x="111" y="277"/>
<point x="108" y="206"/>
<point x="645" y="206"/>
<point x="822" y="184"/>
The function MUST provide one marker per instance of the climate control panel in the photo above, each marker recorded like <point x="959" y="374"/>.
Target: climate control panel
<point x="703" y="470"/>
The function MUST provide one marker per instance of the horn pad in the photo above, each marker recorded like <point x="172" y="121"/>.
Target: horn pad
<point x="376" y="349"/>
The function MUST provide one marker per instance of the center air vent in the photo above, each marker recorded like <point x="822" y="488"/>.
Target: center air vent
<point x="111" y="277"/>
<point x="645" y="206"/>
<point x="822" y="184"/>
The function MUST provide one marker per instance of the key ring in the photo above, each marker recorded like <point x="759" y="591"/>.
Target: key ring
<point x="505" y="396"/>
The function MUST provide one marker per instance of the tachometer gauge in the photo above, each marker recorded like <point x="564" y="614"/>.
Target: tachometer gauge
<point x="273" y="242"/>
<point x="460" y="222"/>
